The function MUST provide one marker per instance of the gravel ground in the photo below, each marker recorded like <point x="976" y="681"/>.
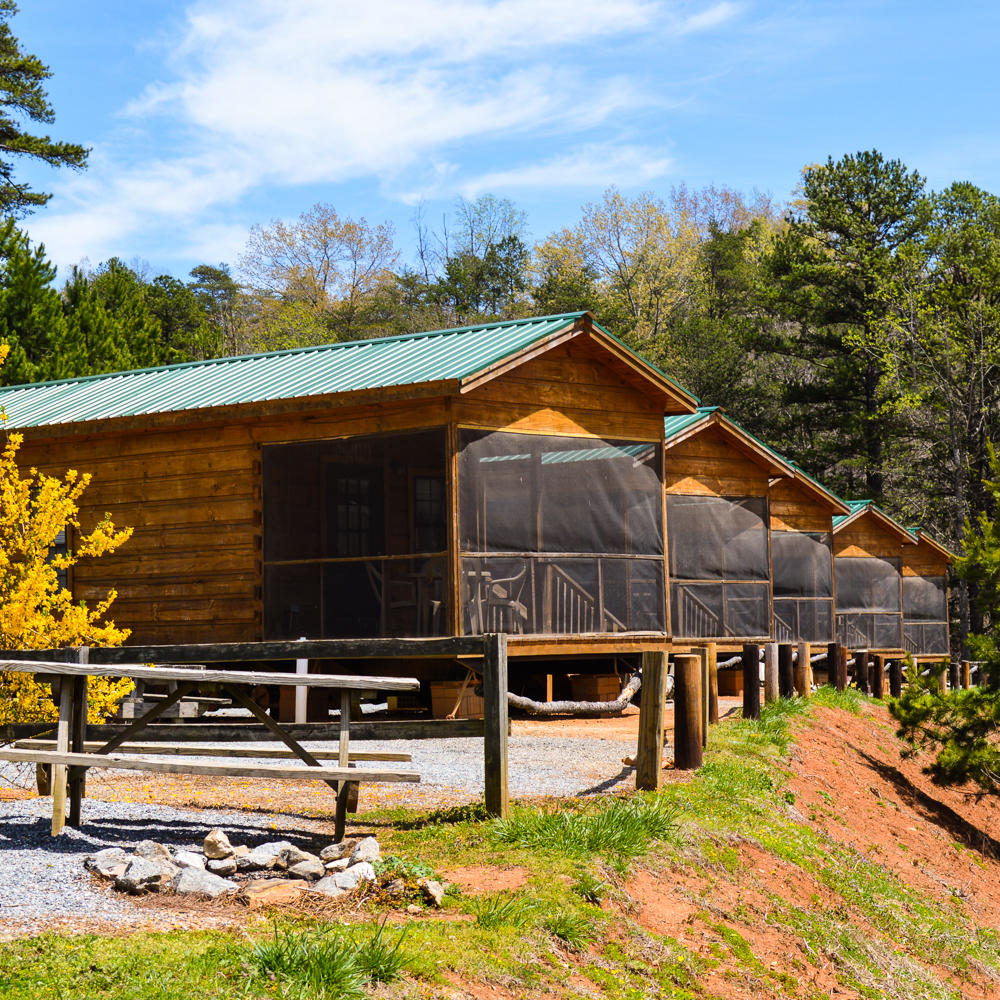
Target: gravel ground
<point x="43" y="884"/>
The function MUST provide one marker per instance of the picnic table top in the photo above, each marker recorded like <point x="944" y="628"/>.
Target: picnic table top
<point x="214" y="675"/>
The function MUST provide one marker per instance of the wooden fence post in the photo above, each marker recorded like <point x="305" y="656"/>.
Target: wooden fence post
<point x="706" y="710"/>
<point x="751" y="681"/>
<point x="954" y="678"/>
<point x="966" y="675"/>
<point x="803" y="671"/>
<point x="837" y="674"/>
<point x="878" y="676"/>
<point x="78" y="737"/>
<point x="62" y="746"/>
<point x="771" y="685"/>
<point x="496" y="722"/>
<point x="688" y="751"/>
<point x="649" y="756"/>
<point x="713" y="681"/>
<point x="786" y="670"/>
<point x="895" y="678"/>
<point x="861" y="678"/>
<point x="943" y="679"/>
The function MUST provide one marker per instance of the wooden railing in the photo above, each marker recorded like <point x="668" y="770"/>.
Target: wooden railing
<point x="782" y="630"/>
<point x="850" y="635"/>
<point x="696" y="618"/>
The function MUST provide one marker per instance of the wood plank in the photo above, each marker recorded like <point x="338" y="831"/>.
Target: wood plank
<point x="59" y="768"/>
<point x="213" y="750"/>
<point x="138" y="671"/>
<point x="236" y="652"/>
<point x="131" y="762"/>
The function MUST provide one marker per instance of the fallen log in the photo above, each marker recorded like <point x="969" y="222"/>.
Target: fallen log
<point x="615" y="707"/>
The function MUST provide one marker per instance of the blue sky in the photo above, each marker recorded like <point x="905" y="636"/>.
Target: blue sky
<point x="208" y="117"/>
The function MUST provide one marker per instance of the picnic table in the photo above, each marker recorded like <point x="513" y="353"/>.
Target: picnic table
<point x="71" y="755"/>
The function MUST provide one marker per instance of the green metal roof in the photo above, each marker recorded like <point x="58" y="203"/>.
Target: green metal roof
<point x="411" y="359"/>
<point x="858" y="506"/>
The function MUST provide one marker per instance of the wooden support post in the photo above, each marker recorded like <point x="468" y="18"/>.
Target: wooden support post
<point x="688" y="753"/>
<point x="705" y="710"/>
<point x="495" y="715"/>
<point x="953" y="676"/>
<point x="833" y="666"/>
<point x="843" y="655"/>
<point x="942" y="679"/>
<point x="63" y="730"/>
<point x="966" y="675"/>
<point x="751" y="680"/>
<point x="803" y="671"/>
<point x="713" y="681"/>
<point x="771" y="685"/>
<point x="895" y="678"/>
<point x="78" y="737"/>
<point x="878" y="676"/>
<point x="862" y="680"/>
<point x="786" y="670"/>
<point x="649" y="755"/>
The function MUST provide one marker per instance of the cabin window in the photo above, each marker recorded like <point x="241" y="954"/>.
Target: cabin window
<point x="560" y="535"/>
<point x="355" y="537"/>
<point x="802" y="581"/>
<point x="925" y="614"/>
<point x="719" y="568"/>
<point x="869" y="602"/>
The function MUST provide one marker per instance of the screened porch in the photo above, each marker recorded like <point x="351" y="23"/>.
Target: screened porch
<point x="802" y="581"/>
<point x="869" y="602"/>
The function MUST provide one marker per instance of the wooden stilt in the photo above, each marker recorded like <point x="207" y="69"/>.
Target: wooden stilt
<point x="966" y="675"/>
<point x="803" y="671"/>
<point x="878" y="676"/>
<point x="895" y="678"/>
<point x="786" y="670"/>
<point x="495" y="715"/>
<point x="713" y="681"/>
<point x="751" y="681"/>
<point x="649" y="755"/>
<point x="688" y="753"/>
<point x="771" y="684"/>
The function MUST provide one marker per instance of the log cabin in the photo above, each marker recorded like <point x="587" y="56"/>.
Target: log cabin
<point x="926" y="630"/>
<point x="501" y="477"/>
<point x="750" y="550"/>
<point x="868" y="554"/>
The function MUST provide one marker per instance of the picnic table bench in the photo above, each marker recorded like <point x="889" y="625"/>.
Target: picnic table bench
<point x="70" y="755"/>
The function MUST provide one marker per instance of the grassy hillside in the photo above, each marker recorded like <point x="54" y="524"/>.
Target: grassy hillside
<point x="804" y="860"/>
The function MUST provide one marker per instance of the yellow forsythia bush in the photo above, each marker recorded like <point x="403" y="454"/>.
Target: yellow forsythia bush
<point x="35" y="611"/>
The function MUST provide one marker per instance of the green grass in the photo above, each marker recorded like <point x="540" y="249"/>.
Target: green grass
<point x="880" y="937"/>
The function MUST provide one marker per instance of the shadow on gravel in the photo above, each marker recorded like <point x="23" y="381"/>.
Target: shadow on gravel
<point x="610" y="784"/>
<point x="17" y="833"/>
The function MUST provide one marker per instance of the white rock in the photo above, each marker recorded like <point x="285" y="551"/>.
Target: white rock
<point x="329" y="886"/>
<point x="196" y="881"/>
<point x="221" y="866"/>
<point x="432" y="890"/>
<point x="337" y="866"/>
<point x="109" y="863"/>
<point x="140" y="876"/>
<point x="217" y="845"/>
<point x="292" y="855"/>
<point x="366" y="849"/>
<point x="334" y="852"/>
<point x="268" y="855"/>
<point x="152" y="851"/>
<point x="311" y="868"/>
<point x="188" y="859"/>
<point x="352" y="877"/>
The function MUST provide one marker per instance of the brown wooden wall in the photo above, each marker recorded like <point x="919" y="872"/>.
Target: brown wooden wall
<point x="795" y="508"/>
<point x="190" y="484"/>
<point x="867" y="537"/>
<point x="709" y="464"/>
<point x="924" y="560"/>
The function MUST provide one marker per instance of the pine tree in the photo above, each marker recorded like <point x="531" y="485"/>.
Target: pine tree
<point x="22" y="97"/>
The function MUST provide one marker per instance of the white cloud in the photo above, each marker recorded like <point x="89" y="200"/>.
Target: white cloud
<point x="595" y="166"/>
<point x="273" y="93"/>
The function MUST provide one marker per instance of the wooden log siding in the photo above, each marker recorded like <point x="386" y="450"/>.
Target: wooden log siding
<point x="708" y="464"/>
<point x="190" y="483"/>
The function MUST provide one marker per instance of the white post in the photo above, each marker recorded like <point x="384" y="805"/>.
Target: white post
<point x="301" y="693"/>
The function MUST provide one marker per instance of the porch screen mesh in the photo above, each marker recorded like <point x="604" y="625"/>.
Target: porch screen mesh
<point x="802" y="567"/>
<point x="925" y="614"/>
<point x="718" y="566"/>
<point x="559" y="535"/>
<point x="355" y="537"/>
<point x="869" y="604"/>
